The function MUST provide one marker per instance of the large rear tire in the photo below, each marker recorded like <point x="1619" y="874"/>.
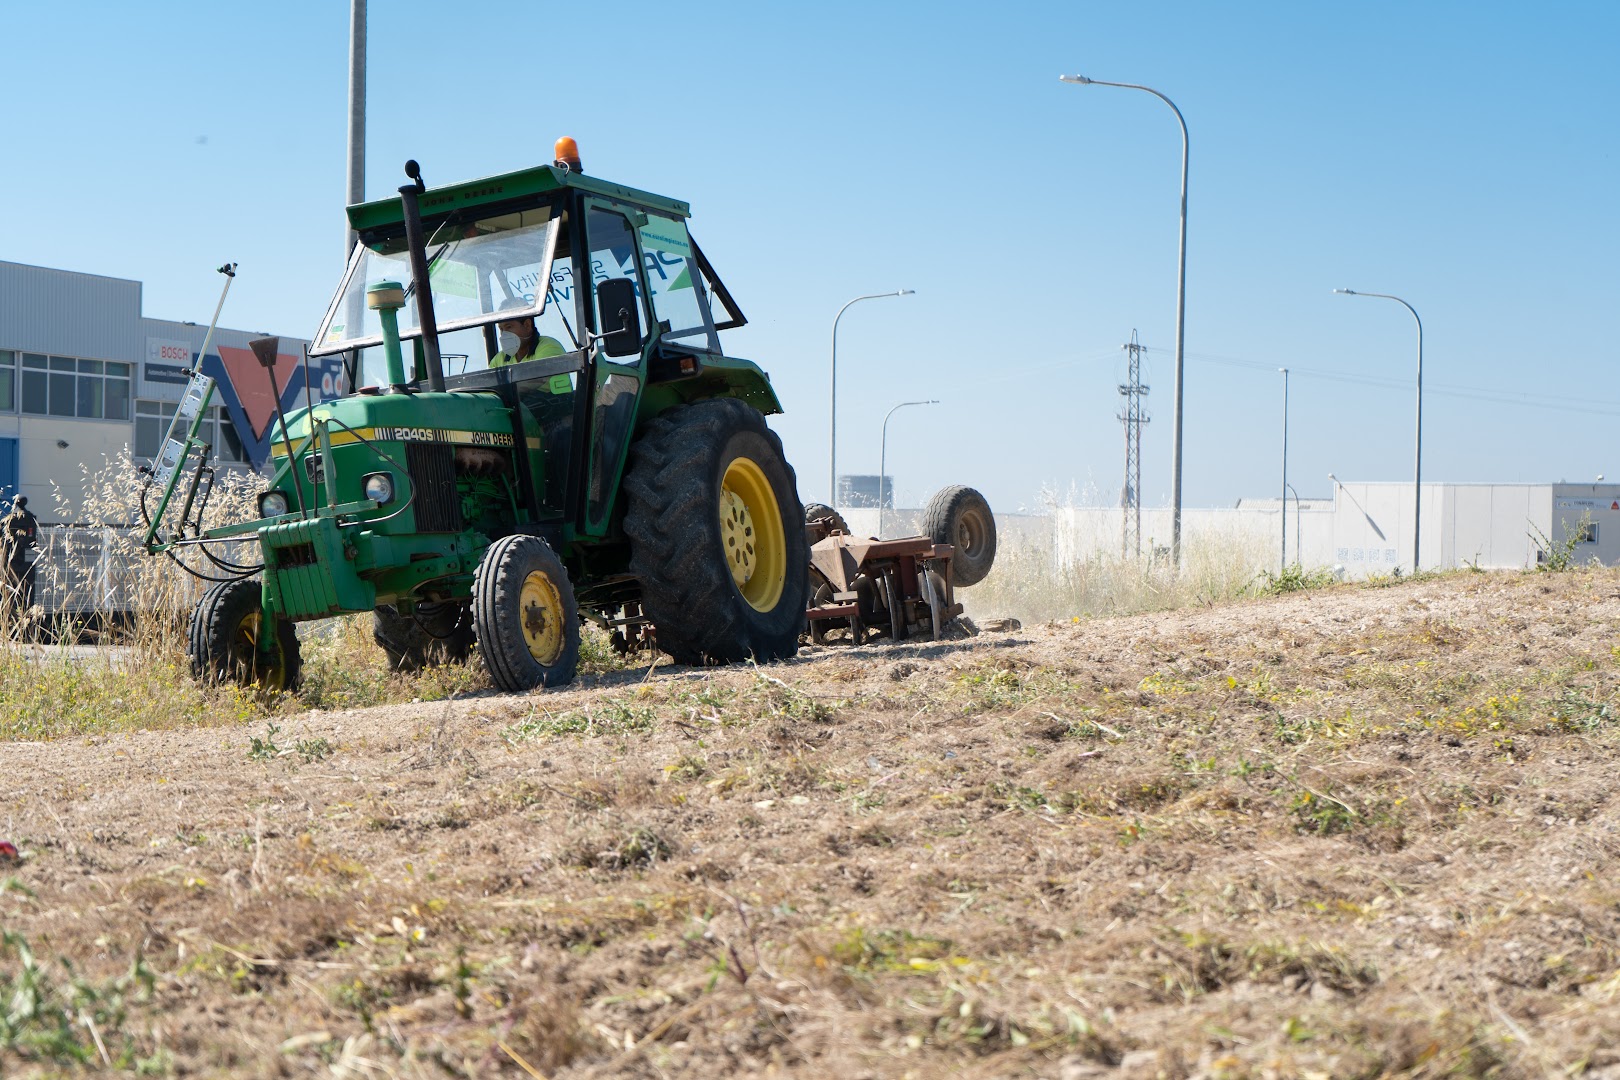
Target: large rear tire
<point x="961" y="517"/>
<point x="438" y="633"/>
<point x="716" y="535"/>
<point x="524" y="611"/>
<point x="225" y="630"/>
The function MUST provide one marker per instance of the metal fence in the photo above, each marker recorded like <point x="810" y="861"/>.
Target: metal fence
<point x="85" y="571"/>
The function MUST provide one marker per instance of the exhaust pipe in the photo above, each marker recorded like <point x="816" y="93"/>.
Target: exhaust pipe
<point x="419" y="274"/>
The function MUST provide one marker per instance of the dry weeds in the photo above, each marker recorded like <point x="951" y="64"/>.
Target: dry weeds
<point x="1349" y="832"/>
<point x="1035" y="584"/>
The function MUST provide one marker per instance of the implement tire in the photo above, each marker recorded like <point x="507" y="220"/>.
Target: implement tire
<point x="438" y="633"/>
<point x="961" y="517"/>
<point x="818" y="511"/>
<point x="524" y="610"/>
<point x="224" y="637"/>
<point x="717" y="535"/>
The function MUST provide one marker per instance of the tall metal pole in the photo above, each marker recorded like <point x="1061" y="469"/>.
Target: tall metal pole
<point x="1417" y="435"/>
<point x="1181" y="313"/>
<point x="832" y="436"/>
<point x="1283" y="565"/>
<point x="883" y="457"/>
<point x="357" y="116"/>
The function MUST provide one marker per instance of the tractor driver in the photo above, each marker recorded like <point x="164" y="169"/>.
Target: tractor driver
<point x="521" y="339"/>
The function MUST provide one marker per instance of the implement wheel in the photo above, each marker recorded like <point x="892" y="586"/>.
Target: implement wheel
<point x="819" y="511"/>
<point x="523" y="608"/>
<point x="226" y="627"/>
<point x="439" y="633"/>
<point x="716" y="535"/>
<point x="961" y="517"/>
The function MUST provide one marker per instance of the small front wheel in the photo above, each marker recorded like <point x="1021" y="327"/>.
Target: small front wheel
<point x="226" y="628"/>
<point x="525" y="615"/>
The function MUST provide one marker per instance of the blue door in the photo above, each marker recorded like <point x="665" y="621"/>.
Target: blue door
<point x="8" y="472"/>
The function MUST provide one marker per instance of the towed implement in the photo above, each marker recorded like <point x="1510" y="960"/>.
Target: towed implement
<point x="900" y="588"/>
<point x="545" y="428"/>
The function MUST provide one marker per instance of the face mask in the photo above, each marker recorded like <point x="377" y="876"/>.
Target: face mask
<point x="510" y="342"/>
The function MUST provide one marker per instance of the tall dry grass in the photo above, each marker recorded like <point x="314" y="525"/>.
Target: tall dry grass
<point x="63" y="672"/>
<point x="1032" y="582"/>
<point x="54" y="681"/>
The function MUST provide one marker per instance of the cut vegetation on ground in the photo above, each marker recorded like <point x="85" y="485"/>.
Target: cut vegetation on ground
<point x="1346" y="831"/>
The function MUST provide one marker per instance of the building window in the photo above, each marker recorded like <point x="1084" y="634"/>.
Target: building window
<point x="68" y="386"/>
<point x="8" y="381"/>
<point x="1588" y="533"/>
<point x="152" y="420"/>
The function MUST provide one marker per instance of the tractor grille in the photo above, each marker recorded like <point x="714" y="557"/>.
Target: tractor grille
<point x="433" y="475"/>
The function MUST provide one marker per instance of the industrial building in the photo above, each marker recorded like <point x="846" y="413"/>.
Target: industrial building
<point x="1367" y="529"/>
<point x="1363" y="530"/>
<point x="85" y="377"/>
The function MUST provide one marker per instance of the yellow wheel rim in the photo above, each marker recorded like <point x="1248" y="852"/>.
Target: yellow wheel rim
<point x="751" y="534"/>
<point x="541" y="610"/>
<point x="246" y="644"/>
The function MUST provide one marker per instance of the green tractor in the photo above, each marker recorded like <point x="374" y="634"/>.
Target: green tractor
<point x="606" y="461"/>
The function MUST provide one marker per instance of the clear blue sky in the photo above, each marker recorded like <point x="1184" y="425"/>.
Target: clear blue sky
<point x="1460" y="155"/>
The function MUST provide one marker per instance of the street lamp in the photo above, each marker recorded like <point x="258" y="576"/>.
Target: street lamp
<point x="1181" y="312"/>
<point x="832" y="437"/>
<point x="1417" y="438"/>
<point x="1283" y="565"/>
<point x="357" y="117"/>
<point x="883" y="457"/>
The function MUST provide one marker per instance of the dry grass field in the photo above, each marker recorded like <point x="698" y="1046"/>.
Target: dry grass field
<point x="1349" y="831"/>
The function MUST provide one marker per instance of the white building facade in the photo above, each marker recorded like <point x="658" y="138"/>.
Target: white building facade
<point x="1364" y="529"/>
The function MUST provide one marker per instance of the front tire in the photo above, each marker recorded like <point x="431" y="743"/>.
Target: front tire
<point x="226" y="627"/>
<point x="717" y="535"/>
<point x="525" y="615"/>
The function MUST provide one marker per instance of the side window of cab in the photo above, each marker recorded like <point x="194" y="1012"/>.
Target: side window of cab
<point x="613" y="255"/>
<point x="678" y="296"/>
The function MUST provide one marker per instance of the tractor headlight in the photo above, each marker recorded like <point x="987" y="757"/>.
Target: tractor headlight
<point x="378" y="487"/>
<point x="272" y="504"/>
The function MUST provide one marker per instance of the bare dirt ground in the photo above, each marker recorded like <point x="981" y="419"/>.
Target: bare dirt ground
<point x="1351" y="832"/>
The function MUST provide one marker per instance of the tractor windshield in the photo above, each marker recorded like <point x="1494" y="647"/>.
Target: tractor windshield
<point x="482" y="270"/>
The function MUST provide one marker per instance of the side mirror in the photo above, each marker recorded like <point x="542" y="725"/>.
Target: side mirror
<point x="621" y="316"/>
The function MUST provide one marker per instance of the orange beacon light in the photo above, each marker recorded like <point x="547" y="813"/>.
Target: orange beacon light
<point x="566" y="152"/>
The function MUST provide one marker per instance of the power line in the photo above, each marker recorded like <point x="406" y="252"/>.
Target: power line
<point x="1474" y="393"/>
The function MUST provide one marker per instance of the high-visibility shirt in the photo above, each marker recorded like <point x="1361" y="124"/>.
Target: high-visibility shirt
<point x="543" y="347"/>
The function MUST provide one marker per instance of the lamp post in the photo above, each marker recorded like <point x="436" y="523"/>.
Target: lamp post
<point x="832" y="436"/>
<point x="1283" y="564"/>
<point x="883" y="456"/>
<point x="1181" y="313"/>
<point x="357" y="117"/>
<point x="1417" y="437"/>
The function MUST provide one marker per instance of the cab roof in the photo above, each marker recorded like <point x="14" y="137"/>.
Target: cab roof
<point x="384" y="215"/>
